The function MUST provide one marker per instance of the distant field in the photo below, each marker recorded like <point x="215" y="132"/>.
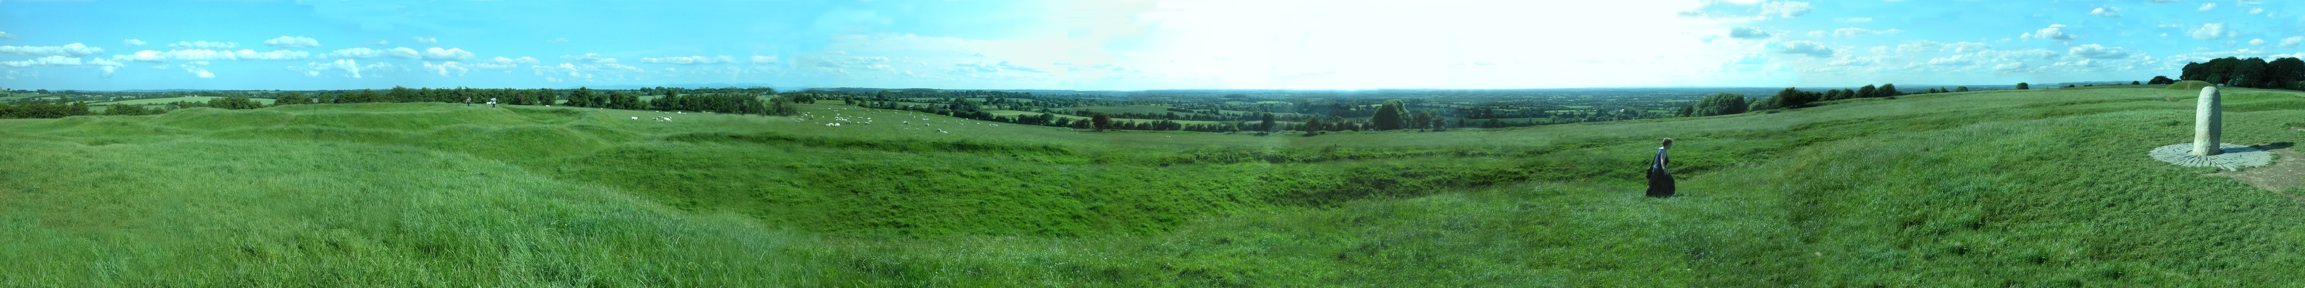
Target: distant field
<point x="1013" y="113"/>
<point x="1125" y="109"/>
<point x="1981" y="189"/>
<point x="156" y="101"/>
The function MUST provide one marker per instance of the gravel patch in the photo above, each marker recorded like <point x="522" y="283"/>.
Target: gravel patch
<point x="2235" y="156"/>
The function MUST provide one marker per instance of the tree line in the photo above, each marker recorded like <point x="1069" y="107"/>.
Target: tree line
<point x="43" y="109"/>
<point x="1790" y="98"/>
<point x="2281" y="73"/>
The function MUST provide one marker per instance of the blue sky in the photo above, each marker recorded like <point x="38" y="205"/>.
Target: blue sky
<point x="1122" y="44"/>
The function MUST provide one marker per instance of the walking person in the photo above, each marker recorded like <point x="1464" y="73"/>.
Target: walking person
<point x="1660" y="179"/>
<point x="491" y="102"/>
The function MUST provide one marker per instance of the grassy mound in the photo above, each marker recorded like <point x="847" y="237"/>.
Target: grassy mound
<point x="1999" y="188"/>
<point x="2190" y="85"/>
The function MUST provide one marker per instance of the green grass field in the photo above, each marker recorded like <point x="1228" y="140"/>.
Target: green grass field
<point x="2003" y="188"/>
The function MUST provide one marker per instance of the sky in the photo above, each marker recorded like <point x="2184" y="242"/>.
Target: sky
<point x="1123" y="44"/>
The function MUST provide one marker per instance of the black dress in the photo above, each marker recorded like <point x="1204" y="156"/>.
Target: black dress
<point x="1660" y="180"/>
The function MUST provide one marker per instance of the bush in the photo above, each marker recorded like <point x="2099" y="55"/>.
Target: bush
<point x="1719" y="104"/>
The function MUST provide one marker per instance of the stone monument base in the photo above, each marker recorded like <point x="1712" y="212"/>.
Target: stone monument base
<point x="2233" y="158"/>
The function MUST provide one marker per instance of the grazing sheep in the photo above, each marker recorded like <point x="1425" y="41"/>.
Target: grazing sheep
<point x="635" y="117"/>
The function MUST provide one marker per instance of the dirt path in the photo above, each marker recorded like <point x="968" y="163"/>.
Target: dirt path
<point x="2288" y="170"/>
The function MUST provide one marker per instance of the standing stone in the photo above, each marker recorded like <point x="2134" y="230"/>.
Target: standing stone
<point x="2206" y="124"/>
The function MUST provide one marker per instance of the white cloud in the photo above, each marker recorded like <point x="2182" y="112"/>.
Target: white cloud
<point x="2208" y="31"/>
<point x="2109" y="12"/>
<point x="2255" y="42"/>
<point x="402" y="53"/>
<point x="2256" y="11"/>
<point x="724" y="59"/>
<point x="427" y="40"/>
<point x="355" y="53"/>
<point x="74" y="49"/>
<point x="5" y="35"/>
<point x="2208" y="6"/>
<point x="380" y="43"/>
<point x="211" y="55"/>
<point x="1955" y="60"/>
<point x="203" y="45"/>
<point x="1811" y="48"/>
<point x="593" y="58"/>
<point x="350" y="67"/>
<point x="1747" y="33"/>
<point x="435" y="53"/>
<point x="2011" y="67"/>
<point x="292" y="42"/>
<point x="108" y="66"/>
<point x="245" y="54"/>
<point x="43" y="61"/>
<point x="760" y="59"/>
<point x="2292" y="41"/>
<point x="199" y="71"/>
<point x="1785" y="8"/>
<point x="505" y="63"/>
<point x="444" y="67"/>
<point x="2094" y="51"/>
<point x="2053" y="32"/>
<point x="132" y="42"/>
<point x="994" y="67"/>
<point x="1854" y="20"/>
<point x="1854" y="32"/>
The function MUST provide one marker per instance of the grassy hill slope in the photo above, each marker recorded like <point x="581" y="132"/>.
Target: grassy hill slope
<point x="2046" y="187"/>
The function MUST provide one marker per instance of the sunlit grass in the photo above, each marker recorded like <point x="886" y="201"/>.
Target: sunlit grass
<point x="2042" y="187"/>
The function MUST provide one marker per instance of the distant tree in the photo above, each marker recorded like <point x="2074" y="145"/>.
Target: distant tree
<point x="2164" y="80"/>
<point x="1100" y="121"/>
<point x="291" y="98"/>
<point x="1791" y="98"/>
<point x="2249" y="73"/>
<point x="1419" y="120"/>
<point x="400" y="94"/>
<point x="1388" y="115"/>
<point x="582" y="97"/>
<point x="234" y="102"/>
<point x="2193" y="71"/>
<point x="1267" y="124"/>
<point x="2284" y="73"/>
<point x="2136" y="83"/>
<point x="1312" y="126"/>
<point x="1868" y="91"/>
<point x="1888" y="90"/>
<point x="547" y="97"/>
<point x="1720" y="104"/>
<point x="2023" y="86"/>
<point x="1961" y="89"/>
